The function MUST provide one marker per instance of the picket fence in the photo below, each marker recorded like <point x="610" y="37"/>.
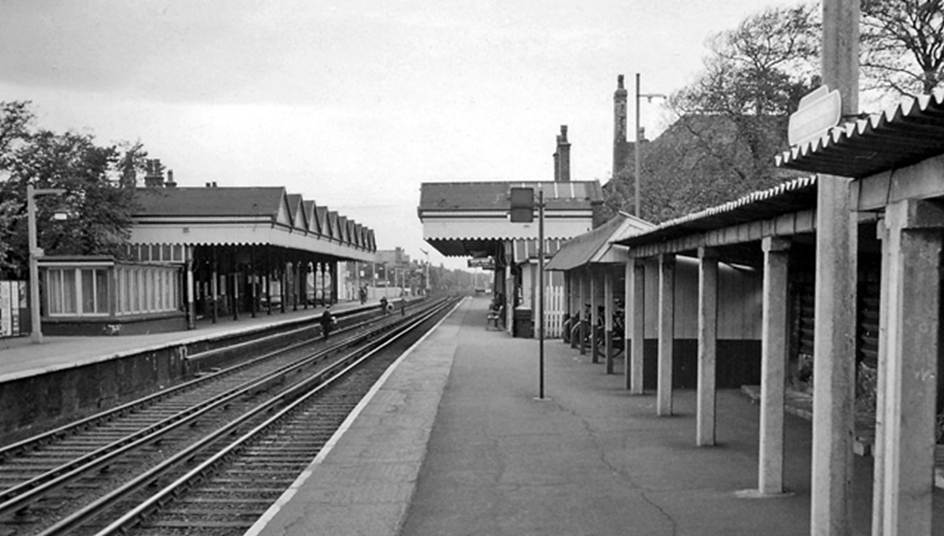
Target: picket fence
<point x="553" y="311"/>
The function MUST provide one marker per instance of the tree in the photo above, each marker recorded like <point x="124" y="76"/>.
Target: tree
<point x="731" y="120"/>
<point x="98" y="209"/>
<point x="755" y="78"/>
<point x="903" y="45"/>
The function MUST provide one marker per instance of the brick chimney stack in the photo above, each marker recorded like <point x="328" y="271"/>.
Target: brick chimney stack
<point x="170" y="179"/>
<point x="562" y="157"/>
<point x="620" y="145"/>
<point x="153" y="173"/>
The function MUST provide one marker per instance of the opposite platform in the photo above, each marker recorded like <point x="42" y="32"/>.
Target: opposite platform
<point x="19" y="358"/>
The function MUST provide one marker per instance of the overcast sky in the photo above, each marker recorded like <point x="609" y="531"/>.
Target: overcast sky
<point x="354" y="103"/>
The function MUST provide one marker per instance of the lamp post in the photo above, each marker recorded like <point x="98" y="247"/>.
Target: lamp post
<point x="637" y="157"/>
<point x="36" y="333"/>
<point x="426" y="273"/>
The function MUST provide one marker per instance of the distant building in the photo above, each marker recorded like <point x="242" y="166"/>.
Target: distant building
<point x="471" y="219"/>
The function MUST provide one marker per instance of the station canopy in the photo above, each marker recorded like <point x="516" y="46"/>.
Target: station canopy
<point x="471" y="218"/>
<point x="244" y="216"/>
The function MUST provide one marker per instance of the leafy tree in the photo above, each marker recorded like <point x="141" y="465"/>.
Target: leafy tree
<point x="903" y="45"/>
<point x="98" y="210"/>
<point x="731" y="120"/>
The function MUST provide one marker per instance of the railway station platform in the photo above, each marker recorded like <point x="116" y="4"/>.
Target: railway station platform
<point x="20" y="358"/>
<point x="454" y="442"/>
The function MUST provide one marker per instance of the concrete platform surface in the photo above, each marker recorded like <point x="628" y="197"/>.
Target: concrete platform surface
<point x="591" y="460"/>
<point x="20" y="358"/>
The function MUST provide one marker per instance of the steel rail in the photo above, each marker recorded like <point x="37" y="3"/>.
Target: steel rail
<point x="22" y="495"/>
<point x="133" y="515"/>
<point x="188" y="453"/>
<point x="40" y="439"/>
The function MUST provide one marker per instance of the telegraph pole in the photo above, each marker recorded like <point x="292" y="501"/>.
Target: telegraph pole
<point x="637" y="158"/>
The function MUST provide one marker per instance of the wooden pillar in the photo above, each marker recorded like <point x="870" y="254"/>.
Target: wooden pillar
<point x="594" y="315"/>
<point x="283" y="281"/>
<point x="666" y="333"/>
<point x="881" y="367"/>
<point x="268" y="282"/>
<point x="707" y="344"/>
<point x="635" y="324"/>
<point x="321" y="285"/>
<point x="912" y="347"/>
<point x="585" y="315"/>
<point x="833" y="358"/>
<point x="235" y="294"/>
<point x="774" y="339"/>
<point x="295" y="272"/>
<point x="608" y="320"/>
<point x="335" y="284"/>
<point x="252" y="276"/>
<point x="191" y="309"/>
<point x="214" y="286"/>
<point x="509" y="299"/>
<point x="568" y="310"/>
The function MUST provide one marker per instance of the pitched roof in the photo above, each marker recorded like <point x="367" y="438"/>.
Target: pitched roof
<point x="583" y="249"/>
<point x="494" y="195"/>
<point x="909" y="133"/>
<point x="343" y="229"/>
<point x="334" y="230"/>
<point x="216" y="201"/>
<point x="311" y="216"/>
<point x="298" y="214"/>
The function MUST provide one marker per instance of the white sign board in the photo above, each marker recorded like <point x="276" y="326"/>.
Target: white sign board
<point x="818" y="112"/>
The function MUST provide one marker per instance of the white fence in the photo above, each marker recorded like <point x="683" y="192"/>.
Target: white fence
<point x="553" y="311"/>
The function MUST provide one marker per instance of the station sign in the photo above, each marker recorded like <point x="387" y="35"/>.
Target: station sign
<point x="485" y="263"/>
<point x="522" y="205"/>
<point x="819" y="111"/>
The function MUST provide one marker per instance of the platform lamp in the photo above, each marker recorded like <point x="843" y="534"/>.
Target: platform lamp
<point x="637" y="157"/>
<point x="36" y="333"/>
<point x="522" y="211"/>
<point x="426" y="272"/>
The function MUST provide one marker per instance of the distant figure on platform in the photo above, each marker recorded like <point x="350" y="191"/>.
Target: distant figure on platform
<point x="383" y="304"/>
<point x="362" y="294"/>
<point x="327" y="322"/>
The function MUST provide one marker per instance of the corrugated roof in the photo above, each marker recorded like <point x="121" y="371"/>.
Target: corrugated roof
<point x="494" y="195"/>
<point x="581" y="249"/>
<point x="220" y="201"/>
<point x="798" y="194"/>
<point x="909" y="133"/>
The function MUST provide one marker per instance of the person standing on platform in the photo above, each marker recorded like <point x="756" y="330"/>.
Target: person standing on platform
<point x="327" y="322"/>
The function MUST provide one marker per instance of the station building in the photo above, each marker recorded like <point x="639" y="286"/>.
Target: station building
<point x="471" y="219"/>
<point x="205" y="252"/>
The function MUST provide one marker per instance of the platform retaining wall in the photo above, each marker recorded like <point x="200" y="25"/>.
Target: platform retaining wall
<point x="55" y="397"/>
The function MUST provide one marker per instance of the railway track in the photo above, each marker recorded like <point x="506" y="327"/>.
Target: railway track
<point x="57" y="482"/>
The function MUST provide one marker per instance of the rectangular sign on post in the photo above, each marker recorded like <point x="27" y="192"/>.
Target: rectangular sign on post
<point x="522" y="205"/>
<point x="816" y="114"/>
